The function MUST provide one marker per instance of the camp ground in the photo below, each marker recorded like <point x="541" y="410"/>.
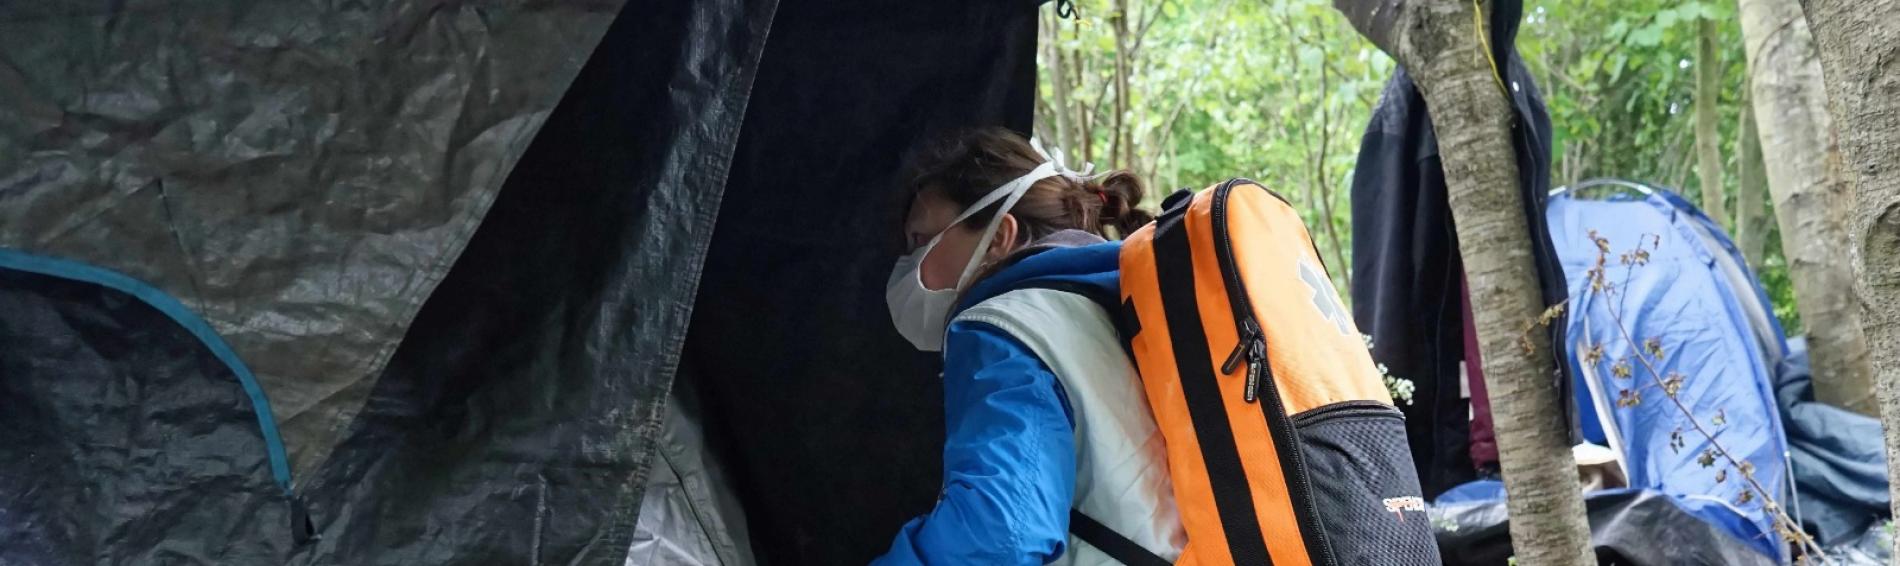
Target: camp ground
<point x="602" y="282"/>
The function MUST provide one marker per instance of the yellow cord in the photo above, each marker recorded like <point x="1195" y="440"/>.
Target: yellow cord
<point x="1477" y="22"/>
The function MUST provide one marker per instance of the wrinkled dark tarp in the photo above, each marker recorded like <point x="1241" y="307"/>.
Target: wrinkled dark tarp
<point x="834" y="424"/>
<point x="515" y="422"/>
<point x="1873" y="547"/>
<point x="1840" y="461"/>
<point x="299" y="174"/>
<point x="1406" y="269"/>
<point x="112" y="410"/>
<point x="1628" y="527"/>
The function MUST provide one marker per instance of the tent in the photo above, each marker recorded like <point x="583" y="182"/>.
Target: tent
<point x="1693" y="295"/>
<point x="414" y="281"/>
<point x="1824" y="465"/>
<point x="1696" y="299"/>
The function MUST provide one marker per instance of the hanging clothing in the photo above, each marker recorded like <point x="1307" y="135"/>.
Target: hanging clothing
<point x="1406" y="268"/>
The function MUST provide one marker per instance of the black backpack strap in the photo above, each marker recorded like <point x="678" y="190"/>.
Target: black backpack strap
<point x="1110" y="542"/>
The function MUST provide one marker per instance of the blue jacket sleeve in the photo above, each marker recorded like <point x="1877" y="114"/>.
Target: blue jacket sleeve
<point x="1008" y="459"/>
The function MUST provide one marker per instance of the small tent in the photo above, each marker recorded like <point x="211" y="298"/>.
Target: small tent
<point x="413" y="282"/>
<point x="1691" y="297"/>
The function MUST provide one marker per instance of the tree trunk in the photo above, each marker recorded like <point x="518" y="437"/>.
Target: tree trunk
<point x="1434" y="40"/>
<point x="1059" y="101"/>
<point x="1116" y="135"/>
<point x="1811" y="197"/>
<point x="1751" y="200"/>
<point x="1708" y="140"/>
<point x="1859" y="42"/>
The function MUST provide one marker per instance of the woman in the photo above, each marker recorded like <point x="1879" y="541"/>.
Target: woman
<point x="1044" y="414"/>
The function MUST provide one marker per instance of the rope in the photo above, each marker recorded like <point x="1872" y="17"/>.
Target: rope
<point x="1484" y="41"/>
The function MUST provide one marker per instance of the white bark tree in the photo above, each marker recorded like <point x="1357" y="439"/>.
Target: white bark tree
<point x="1812" y="202"/>
<point x="1435" y="41"/>
<point x="1859" y="43"/>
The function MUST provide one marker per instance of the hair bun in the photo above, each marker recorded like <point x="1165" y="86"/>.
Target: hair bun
<point x="1121" y="193"/>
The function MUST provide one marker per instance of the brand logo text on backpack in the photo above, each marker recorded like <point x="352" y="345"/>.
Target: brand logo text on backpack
<point x="1399" y="505"/>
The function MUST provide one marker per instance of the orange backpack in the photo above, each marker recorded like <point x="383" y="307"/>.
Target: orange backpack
<point x="1282" y="441"/>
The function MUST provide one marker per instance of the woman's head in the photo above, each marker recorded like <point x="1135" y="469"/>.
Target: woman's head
<point x="958" y="171"/>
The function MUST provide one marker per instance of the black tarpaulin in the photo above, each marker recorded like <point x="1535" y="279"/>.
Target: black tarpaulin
<point x="515" y="422"/>
<point x="833" y="423"/>
<point x="301" y="174"/>
<point x="467" y="370"/>
<point x="115" y="409"/>
<point x="1628" y="527"/>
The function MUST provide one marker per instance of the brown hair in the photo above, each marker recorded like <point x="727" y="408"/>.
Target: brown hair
<point x="965" y="166"/>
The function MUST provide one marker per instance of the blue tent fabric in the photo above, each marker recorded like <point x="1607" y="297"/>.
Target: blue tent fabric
<point x="1840" y="465"/>
<point x="1686" y="299"/>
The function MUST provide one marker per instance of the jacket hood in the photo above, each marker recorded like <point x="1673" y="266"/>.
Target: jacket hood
<point x="1070" y="260"/>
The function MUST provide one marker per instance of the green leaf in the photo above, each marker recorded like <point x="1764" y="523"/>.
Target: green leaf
<point x="1666" y="18"/>
<point x="1650" y="36"/>
<point x="1617" y="29"/>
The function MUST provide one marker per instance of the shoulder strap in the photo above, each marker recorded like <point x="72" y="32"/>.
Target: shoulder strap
<point x="1121" y="312"/>
<point x="1110" y="542"/>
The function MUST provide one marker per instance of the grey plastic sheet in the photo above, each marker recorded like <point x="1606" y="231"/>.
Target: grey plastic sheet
<point x="689" y="515"/>
<point x="477" y="318"/>
<point x="301" y="174"/>
<point x="1627" y="528"/>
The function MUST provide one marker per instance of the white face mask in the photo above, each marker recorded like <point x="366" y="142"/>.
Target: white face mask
<point x="921" y="313"/>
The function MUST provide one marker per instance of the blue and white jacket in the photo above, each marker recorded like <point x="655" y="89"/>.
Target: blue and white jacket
<point x="1044" y="413"/>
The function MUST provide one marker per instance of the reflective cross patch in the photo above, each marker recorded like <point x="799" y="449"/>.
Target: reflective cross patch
<point x="1324" y="297"/>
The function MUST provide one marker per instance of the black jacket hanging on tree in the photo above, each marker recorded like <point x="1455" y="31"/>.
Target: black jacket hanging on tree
<point x="1406" y="270"/>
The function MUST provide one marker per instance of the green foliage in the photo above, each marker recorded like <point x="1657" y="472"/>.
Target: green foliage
<point x="1281" y="90"/>
<point x="1277" y="91"/>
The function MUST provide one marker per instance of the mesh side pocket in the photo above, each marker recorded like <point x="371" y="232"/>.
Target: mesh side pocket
<point x="1364" y="486"/>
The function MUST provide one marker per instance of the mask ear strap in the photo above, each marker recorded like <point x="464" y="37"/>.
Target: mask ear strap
<point x="1017" y="189"/>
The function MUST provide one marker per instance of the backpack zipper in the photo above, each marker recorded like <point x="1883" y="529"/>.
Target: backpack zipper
<point x="1253" y="345"/>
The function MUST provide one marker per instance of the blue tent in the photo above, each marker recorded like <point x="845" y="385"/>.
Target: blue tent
<point x="1695" y="297"/>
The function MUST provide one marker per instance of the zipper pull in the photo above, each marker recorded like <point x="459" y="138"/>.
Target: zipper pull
<point x="1256" y="362"/>
<point x="1233" y="360"/>
<point x="1248" y="333"/>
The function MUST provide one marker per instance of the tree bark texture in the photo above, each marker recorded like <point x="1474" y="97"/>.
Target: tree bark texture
<point x="1438" y="43"/>
<point x="1751" y="198"/>
<point x="1058" y="83"/>
<point x="1859" y="43"/>
<point x="1708" y="139"/>
<point x="1811" y="197"/>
